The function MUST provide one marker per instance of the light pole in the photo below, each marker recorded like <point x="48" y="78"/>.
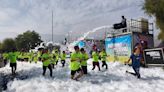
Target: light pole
<point x="52" y="27"/>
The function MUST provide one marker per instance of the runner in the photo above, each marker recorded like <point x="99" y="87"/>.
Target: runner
<point x="84" y="58"/>
<point x="75" y="64"/>
<point x="5" y="57"/>
<point x="57" y="56"/>
<point x="103" y="56"/>
<point x="53" y="58"/>
<point x="31" y="56"/>
<point x="63" y="58"/>
<point x="13" y="61"/>
<point x="136" y="60"/>
<point x="46" y="59"/>
<point x="35" y="57"/>
<point x="39" y="53"/>
<point x="95" y="56"/>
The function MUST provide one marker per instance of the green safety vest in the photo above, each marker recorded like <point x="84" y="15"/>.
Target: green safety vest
<point x="75" y="61"/>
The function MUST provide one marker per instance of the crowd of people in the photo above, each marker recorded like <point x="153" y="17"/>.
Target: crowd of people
<point x="78" y="60"/>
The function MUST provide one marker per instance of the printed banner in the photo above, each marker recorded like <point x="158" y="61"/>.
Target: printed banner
<point x="119" y="48"/>
<point x="154" y="56"/>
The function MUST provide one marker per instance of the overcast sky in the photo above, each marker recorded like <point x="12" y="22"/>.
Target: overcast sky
<point x="17" y="16"/>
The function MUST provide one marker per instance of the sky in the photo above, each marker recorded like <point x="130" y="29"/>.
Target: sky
<point x="77" y="16"/>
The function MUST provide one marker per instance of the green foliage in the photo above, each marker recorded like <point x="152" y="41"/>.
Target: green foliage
<point x="27" y="40"/>
<point x="156" y="8"/>
<point x="8" y="45"/>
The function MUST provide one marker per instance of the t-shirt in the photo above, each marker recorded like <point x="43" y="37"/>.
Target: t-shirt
<point x="63" y="56"/>
<point x="12" y="57"/>
<point x="39" y="54"/>
<point x="103" y="55"/>
<point x="52" y="58"/>
<point x="75" y="61"/>
<point x="20" y="56"/>
<point x="95" y="56"/>
<point x="57" y="56"/>
<point x="46" y="58"/>
<point x="35" y="57"/>
<point x="26" y="55"/>
<point x="136" y="60"/>
<point x="84" y="58"/>
<point x="31" y="55"/>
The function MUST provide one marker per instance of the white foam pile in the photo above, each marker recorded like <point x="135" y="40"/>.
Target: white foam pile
<point x="113" y="80"/>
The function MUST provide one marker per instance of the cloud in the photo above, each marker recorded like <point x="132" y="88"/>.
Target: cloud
<point x="78" y="16"/>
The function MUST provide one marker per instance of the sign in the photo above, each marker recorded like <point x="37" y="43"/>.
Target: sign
<point x="81" y="44"/>
<point x="154" y="56"/>
<point x="119" y="48"/>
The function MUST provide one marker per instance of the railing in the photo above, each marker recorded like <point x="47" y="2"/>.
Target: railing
<point x="133" y="26"/>
<point x="141" y="26"/>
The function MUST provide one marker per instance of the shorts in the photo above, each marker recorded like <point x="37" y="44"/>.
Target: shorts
<point x="13" y="64"/>
<point x="95" y="63"/>
<point x="75" y="71"/>
<point x="84" y="68"/>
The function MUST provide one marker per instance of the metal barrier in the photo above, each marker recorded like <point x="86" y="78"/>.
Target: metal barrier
<point x="133" y="26"/>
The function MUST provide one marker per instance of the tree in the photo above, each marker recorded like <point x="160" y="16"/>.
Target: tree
<point x="0" y="46"/>
<point x="156" y="8"/>
<point x="28" y="40"/>
<point x="8" y="45"/>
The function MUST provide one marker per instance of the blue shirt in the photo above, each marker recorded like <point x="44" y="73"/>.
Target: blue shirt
<point x="136" y="60"/>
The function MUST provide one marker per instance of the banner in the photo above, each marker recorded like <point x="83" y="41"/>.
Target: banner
<point x="119" y="48"/>
<point x="145" y="41"/>
<point x="154" y="56"/>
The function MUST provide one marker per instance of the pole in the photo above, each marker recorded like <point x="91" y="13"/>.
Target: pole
<point x="52" y="27"/>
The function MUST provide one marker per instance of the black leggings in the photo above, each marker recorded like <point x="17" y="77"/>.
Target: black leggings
<point x="13" y="67"/>
<point x="137" y="71"/>
<point x="96" y="64"/>
<point x="104" y="64"/>
<point x="84" y="68"/>
<point x="56" y="62"/>
<point x="63" y="63"/>
<point x="49" y="67"/>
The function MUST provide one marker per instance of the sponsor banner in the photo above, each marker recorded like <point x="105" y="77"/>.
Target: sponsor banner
<point x="119" y="48"/>
<point x="154" y="56"/>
